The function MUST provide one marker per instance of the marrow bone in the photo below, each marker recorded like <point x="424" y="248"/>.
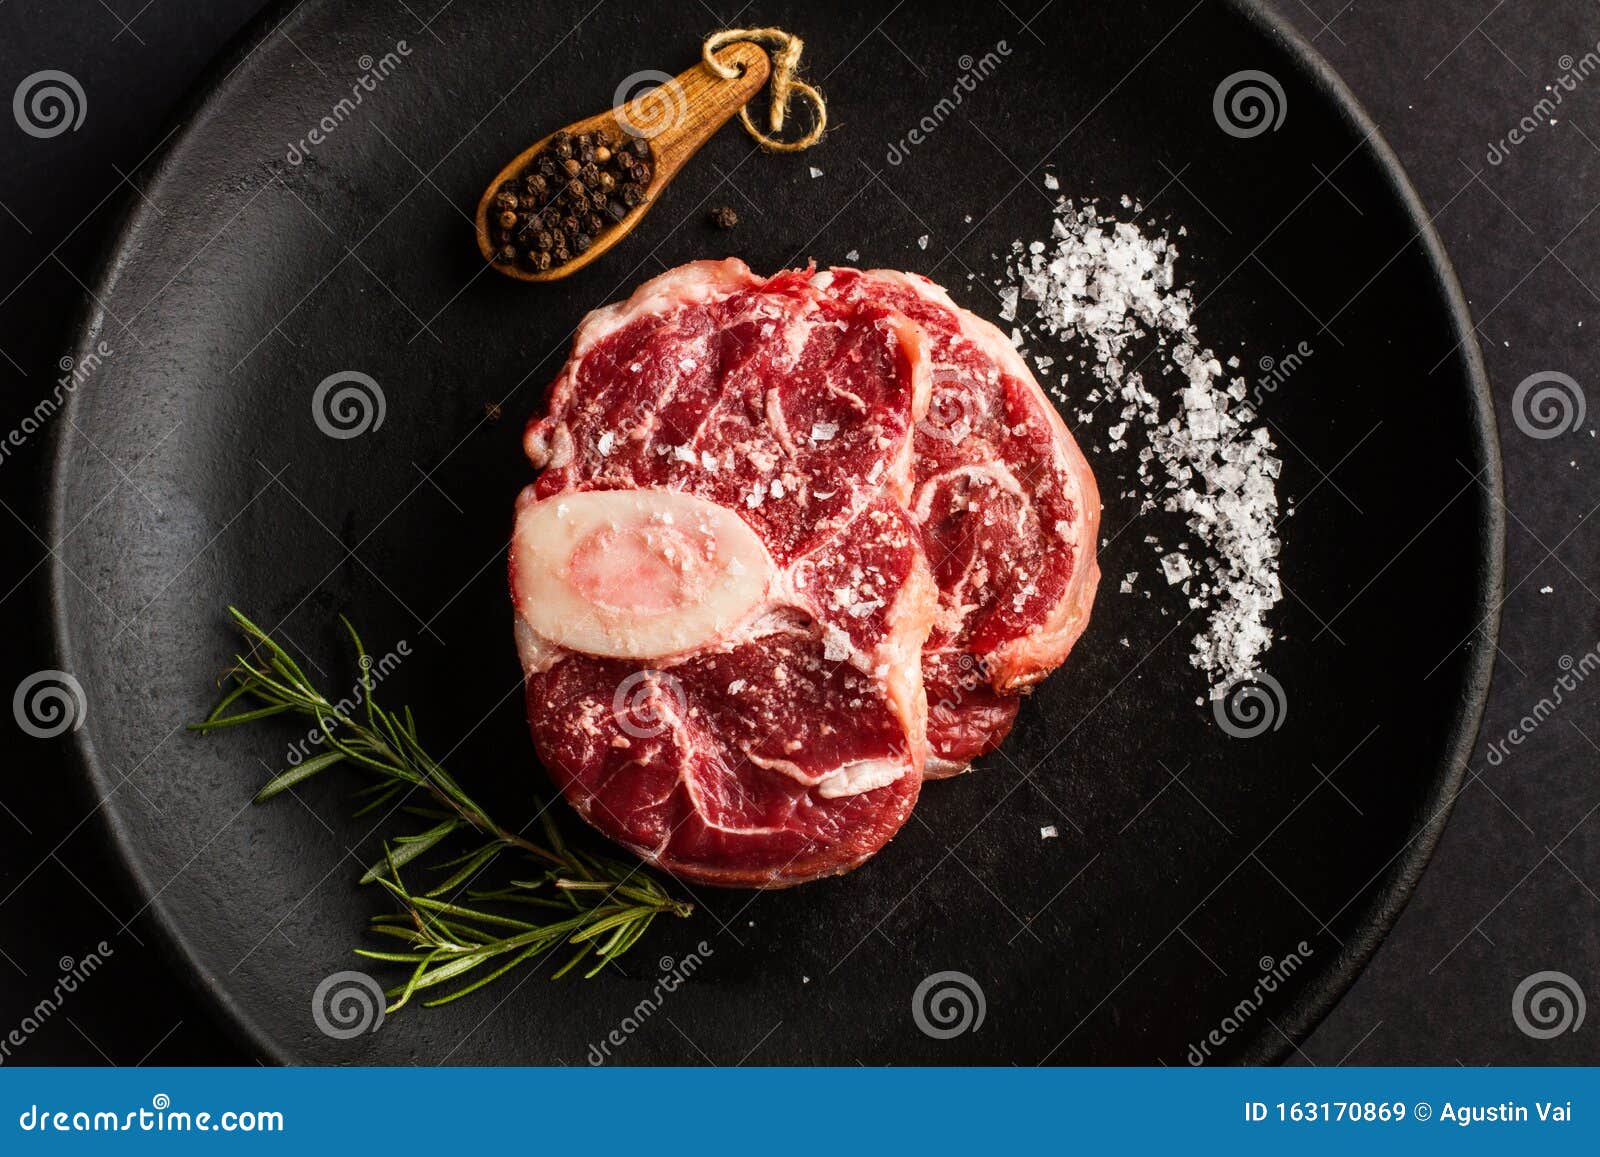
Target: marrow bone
<point x="635" y="574"/>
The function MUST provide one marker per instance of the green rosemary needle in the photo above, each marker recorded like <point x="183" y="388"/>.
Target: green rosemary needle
<point x="592" y="907"/>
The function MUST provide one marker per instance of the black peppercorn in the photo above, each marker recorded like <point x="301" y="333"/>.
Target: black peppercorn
<point x="507" y="253"/>
<point x="561" y="145"/>
<point x="639" y="147"/>
<point x="538" y="184"/>
<point x="561" y="256"/>
<point x="581" y="243"/>
<point x="632" y="194"/>
<point x="543" y="240"/>
<point x="569" y="224"/>
<point x="546" y="165"/>
<point x="508" y="219"/>
<point x="586" y="154"/>
<point x="589" y="175"/>
<point x="571" y="166"/>
<point x="641" y="173"/>
<point x="541" y="261"/>
<point x="592" y="223"/>
<point x="602" y="154"/>
<point x="505" y="199"/>
<point x="723" y="217"/>
<point x="574" y="188"/>
<point x="606" y="182"/>
<point x="616" y="210"/>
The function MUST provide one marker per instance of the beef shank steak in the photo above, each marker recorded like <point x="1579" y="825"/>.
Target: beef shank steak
<point x="797" y="544"/>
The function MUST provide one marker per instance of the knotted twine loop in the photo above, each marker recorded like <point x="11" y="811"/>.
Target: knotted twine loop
<point x="784" y="49"/>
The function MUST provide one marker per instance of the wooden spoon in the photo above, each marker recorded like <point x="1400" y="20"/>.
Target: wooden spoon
<point x="698" y="102"/>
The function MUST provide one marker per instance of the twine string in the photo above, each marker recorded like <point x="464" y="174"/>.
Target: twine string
<point x="785" y="49"/>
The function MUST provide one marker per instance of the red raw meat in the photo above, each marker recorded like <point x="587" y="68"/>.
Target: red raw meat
<point x="1009" y="512"/>
<point x="798" y="543"/>
<point x="785" y="738"/>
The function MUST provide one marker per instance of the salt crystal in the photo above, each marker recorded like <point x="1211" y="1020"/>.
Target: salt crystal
<point x="815" y="172"/>
<point x="853" y="255"/>
<point x="823" y="431"/>
<point x="1048" y="832"/>
<point x="1113" y="291"/>
<point x="1050" y="182"/>
<point x="922" y="242"/>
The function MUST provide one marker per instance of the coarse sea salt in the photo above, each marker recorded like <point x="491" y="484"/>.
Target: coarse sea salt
<point x="1111" y="288"/>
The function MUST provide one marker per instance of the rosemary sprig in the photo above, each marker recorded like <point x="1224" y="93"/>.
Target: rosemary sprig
<point x="597" y="907"/>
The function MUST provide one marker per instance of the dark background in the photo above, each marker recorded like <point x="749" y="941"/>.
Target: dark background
<point x="1515" y="885"/>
